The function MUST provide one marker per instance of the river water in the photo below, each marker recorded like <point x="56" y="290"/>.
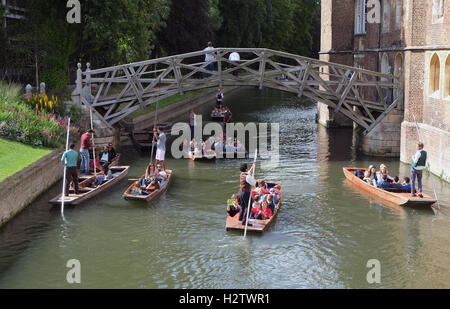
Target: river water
<point x="324" y="236"/>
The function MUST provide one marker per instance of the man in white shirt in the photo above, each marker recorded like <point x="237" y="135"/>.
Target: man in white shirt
<point x="418" y="165"/>
<point x="209" y="57"/>
<point x="160" y="147"/>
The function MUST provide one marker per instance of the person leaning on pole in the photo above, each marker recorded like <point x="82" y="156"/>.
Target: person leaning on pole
<point x="418" y="165"/>
<point x="86" y="144"/>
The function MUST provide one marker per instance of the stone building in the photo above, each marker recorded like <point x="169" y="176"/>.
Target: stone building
<point x="411" y="39"/>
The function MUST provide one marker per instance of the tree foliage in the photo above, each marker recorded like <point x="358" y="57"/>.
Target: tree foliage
<point x="121" y="31"/>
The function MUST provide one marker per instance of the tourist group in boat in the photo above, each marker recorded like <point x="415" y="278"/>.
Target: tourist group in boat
<point x="383" y="180"/>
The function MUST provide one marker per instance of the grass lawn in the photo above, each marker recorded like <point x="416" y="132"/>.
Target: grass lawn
<point x="16" y="156"/>
<point x="166" y="102"/>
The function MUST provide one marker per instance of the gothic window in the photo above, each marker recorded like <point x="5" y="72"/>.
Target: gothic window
<point x="398" y="14"/>
<point x="360" y="17"/>
<point x="386" y="16"/>
<point x="447" y="79"/>
<point x="438" y="10"/>
<point x="435" y="71"/>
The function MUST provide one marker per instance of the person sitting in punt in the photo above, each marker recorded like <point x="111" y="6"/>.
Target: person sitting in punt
<point x="256" y="207"/>
<point x="112" y="152"/>
<point x="105" y="159"/>
<point x="154" y="185"/>
<point x="265" y="213"/>
<point x="161" y="175"/>
<point x="98" y="167"/>
<point x="367" y="177"/>
<point x="149" y="173"/>
<point x="406" y="185"/>
<point x="270" y="202"/>
<point x="384" y="183"/>
<point x="233" y="206"/>
<point x="373" y="175"/>
<point x="137" y="189"/>
<point x="384" y="171"/>
<point x="261" y="189"/>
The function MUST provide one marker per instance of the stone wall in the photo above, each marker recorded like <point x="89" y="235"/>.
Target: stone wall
<point x="19" y="190"/>
<point x="384" y="139"/>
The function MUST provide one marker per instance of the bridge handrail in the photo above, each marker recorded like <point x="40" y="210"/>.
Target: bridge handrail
<point x="242" y="50"/>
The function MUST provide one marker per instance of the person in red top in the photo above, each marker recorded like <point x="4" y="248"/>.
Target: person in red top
<point x="86" y="144"/>
<point x="261" y="190"/>
<point x="265" y="213"/>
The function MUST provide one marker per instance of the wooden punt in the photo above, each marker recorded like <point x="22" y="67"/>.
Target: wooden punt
<point x="401" y="199"/>
<point x="151" y="197"/>
<point x="201" y="157"/>
<point x="259" y="226"/>
<point x="215" y="117"/>
<point x="87" y="191"/>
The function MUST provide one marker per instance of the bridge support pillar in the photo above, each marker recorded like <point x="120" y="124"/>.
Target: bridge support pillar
<point x="324" y="114"/>
<point x="384" y="139"/>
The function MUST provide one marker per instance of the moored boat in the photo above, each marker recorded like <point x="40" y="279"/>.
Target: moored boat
<point x="397" y="198"/>
<point x="197" y="156"/>
<point x="258" y="226"/>
<point x="91" y="186"/>
<point x="130" y="196"/>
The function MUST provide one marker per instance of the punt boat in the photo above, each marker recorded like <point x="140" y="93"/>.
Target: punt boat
<point x="91" y="186"/>
<point x="397" y="198"/>
<point x="259" y="226"/>
<point x="129" y="196"/>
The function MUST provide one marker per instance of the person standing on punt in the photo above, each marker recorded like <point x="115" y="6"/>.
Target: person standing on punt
<point x="86" y="144"/>
<point x="160" y="147"/>
<point x="246" y="183"/>
<point x="219" y="98"/>
<point x="70" y="160"/>
<point x="417" y="167"/>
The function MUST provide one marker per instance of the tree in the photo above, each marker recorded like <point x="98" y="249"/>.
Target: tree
<point x="188" y="27"/>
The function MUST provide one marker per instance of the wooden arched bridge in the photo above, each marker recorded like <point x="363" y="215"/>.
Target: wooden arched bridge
<point x="365" y="97"/>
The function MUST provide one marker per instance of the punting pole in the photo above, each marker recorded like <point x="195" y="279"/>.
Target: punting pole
<point x="250" y="199"/>
<point x="93" y="142"/>
<point x="63" y="196"/>
<point x="432" y="182"/>
<point x="154" y="126"/>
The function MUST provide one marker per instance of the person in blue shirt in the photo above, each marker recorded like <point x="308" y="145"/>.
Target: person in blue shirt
<point x="70" y="160"/>
<point x="384" y="183"/>
<point x="406" y="184"/>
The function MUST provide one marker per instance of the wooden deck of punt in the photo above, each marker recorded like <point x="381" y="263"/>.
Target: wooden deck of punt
<point x="401" y="199"/>
<point x="86" y="192"/>
<point x="207" y="158"/>
<point x="151" y="197"/>
<point x="259" y="226"/>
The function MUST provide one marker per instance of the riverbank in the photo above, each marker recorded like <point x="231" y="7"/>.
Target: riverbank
<point x="16" y="156"/>
<point x="23" y="187"/>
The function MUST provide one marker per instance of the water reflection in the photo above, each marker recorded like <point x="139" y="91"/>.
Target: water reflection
<point x="323" y="237"/>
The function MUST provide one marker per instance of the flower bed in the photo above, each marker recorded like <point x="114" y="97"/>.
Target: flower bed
<point x="22" y="123"/>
